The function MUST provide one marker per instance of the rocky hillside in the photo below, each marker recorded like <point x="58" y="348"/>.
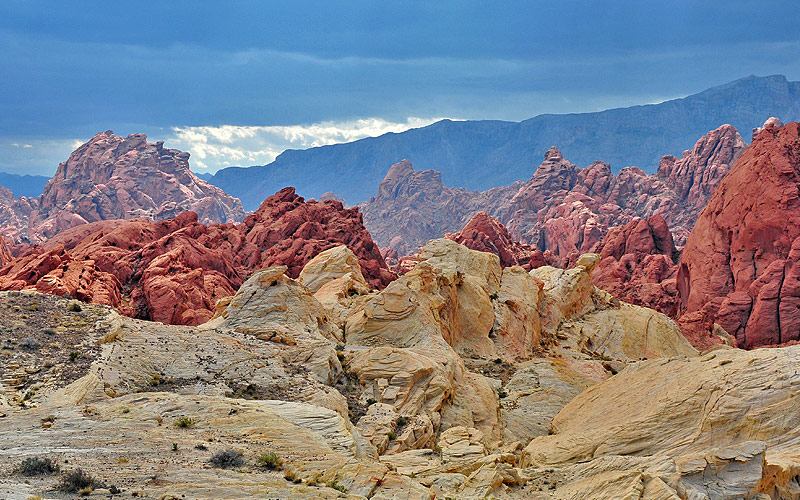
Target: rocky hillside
<point x="460" y="379"/>
<point x="113" y="177"/>
<point x="562" y="210"/>
<point x="740" y="266"/>
<point x="174" y="271"/>
<point x="478" y="155"/>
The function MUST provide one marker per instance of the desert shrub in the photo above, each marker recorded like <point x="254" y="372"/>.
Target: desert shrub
<point x="269" y="460"/>
<point x="73" y="355"/>
<point x="333" y="483"/>
<point x="291" y="475"/>
<point x="76" y="481"/>
<point x="226" y="459"/>
<point x="401" y="421"/>
<point x="30" y="344"/>
<point x="75" y="307"/>
<point x="37" y="466"/>
<point x="185" y="422"/>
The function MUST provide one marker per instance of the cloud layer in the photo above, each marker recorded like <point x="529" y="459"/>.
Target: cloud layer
<point x="218" y="147"/>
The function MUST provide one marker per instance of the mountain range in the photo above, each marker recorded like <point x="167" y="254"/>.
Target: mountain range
<point x="23" y="185"/>
<point x="487" y="153"/>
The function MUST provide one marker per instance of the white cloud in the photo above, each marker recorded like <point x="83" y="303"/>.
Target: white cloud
<point x="218" y="147"/>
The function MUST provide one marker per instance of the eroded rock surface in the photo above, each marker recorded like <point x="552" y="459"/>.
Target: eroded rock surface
<point x="174" y="271"/>
<point x="461" y="379"/>
<point x="112" y="177"/>
<point x="739" y="268"/>
<point x="562" y="210"/>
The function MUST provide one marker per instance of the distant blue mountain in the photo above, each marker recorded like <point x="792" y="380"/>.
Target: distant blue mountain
<point x="484" y="154"/>
<point x="206" y="176"/>
<point x="24" y="185"/>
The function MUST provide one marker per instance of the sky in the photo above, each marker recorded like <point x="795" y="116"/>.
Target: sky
<point x="236" y="83"/>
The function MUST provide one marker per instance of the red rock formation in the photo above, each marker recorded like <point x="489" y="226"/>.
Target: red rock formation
<point x="740" y="265"/>
<point x="112" y="177"/>
<point x="637" y="264"/>
<point x="562" y="210"/>
<point x="5" y="252"/>
<point x="485" y="234"/>
<point x="174" y="271"/>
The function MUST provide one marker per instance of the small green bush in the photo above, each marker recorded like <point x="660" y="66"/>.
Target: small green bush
<point x="269" y="460"/>
<point x="333" y="483"/>
<point x="75" y="307"/>
<point x="185" y="422"/>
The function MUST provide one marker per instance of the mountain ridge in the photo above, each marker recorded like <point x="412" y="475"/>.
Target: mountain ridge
<point x="482" y="154"/>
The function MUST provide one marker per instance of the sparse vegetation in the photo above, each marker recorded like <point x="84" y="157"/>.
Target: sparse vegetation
<point x="75" y="307"/>
<point x="501" y="393"/>
<point x="226" y="459"/>
<point x="392" y="436"/>
<point x="291" y="475"/>
<point x="174" y="446"/>
<point x="334" y="483"/>
<point x="201" y="447"/>
<point x="493" y="296"/>
<point x="269" y="460"/>
<point x="37" y="466"/>
<point x="76" y="481"/>
<point x="401" y="421"/>
<point x="185" y="422"/>
<point x="73" y="355"/>
<point x="30" y="344"/>
<point x="371" y="402"/>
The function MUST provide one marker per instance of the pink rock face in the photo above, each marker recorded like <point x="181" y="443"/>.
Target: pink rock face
<point x="174" y="271"/>
<point x="637" y="264"/>
<point x="562" y="210"/>
<point x="485" y="234"/>
<point x="111" y="177"/>
<point x="5" y="252"/>
<point x="740" y="264"/>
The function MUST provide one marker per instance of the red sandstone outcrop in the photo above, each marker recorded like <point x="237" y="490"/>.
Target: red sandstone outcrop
<point x="113" y="177"/>
<point x="485" y="234"/>
<point x="740" y="266"/>
<point x="562" y="210"/>
<point x="5" y="252"/>
<point x="637" y="264"/>
<point x="174" y="271"/>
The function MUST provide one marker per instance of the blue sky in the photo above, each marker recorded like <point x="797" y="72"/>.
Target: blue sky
<point x="237" y="82"/>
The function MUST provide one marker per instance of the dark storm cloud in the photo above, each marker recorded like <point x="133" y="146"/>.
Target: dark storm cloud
<point x="73" y="68"/>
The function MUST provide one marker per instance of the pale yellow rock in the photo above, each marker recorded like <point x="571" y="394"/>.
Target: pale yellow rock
<point x="275" y="308"/>
<point x="475" y="405"/>
<point x="539" y="389"/>
<point x="517" y="326"/>
<point x="145" y="356"/>
<point x="680" y="407"/>
<point x="462" y="449"/>
<point x="613" y="485"/>
<point x="407" y="379"/>
<point x="628" y="333"/>
<point x="567" y="293"/>
<point x="329" y="265"/>
<point x="594" y="323"/>
<point x="340" y="296"/>
<point x="317" y="443"/>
